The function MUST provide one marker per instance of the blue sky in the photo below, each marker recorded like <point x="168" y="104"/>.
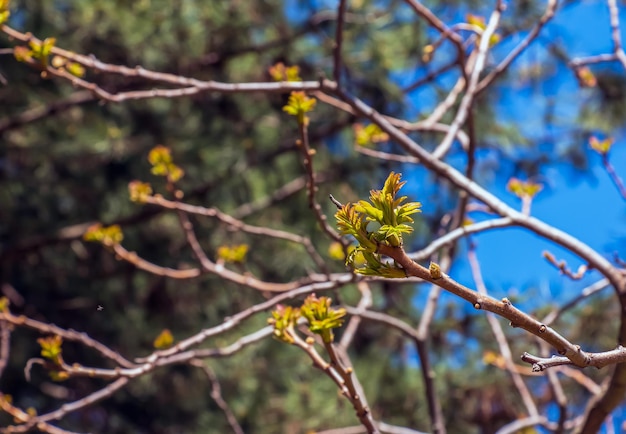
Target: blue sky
<point x="586" y="205"/>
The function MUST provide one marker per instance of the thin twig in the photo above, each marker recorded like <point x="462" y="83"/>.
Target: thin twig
<point x="5" y="345"/>
<point x="519" y="49"/>
<point x="69" y="335"/>
<point x="585" y="293"/>
<point x="216" y="394"/>
<point x="503" y="345"/>
<point x="503" y="307"/>
<point x="619" y="184"/>
<point x="341" y="12"/>
<point x="239" y="225"/>
<point x="364" y="303"/>
<point x="312" y="188"/>
<point x="477" y="67"/>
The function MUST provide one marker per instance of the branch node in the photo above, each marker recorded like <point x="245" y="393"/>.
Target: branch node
<point x="435" y="273"/>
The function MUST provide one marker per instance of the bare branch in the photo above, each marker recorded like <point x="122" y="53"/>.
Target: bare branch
<point x="599" y="360"/>
<point x="503" y="307"/>
<point x="69" y="335"/>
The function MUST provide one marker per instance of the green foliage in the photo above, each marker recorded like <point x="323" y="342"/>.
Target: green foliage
<point x="51" y="348"/>
<point x="371" y="134"/>
<point x="281" y="72"/>
<point x="235" y="253"/>
<point x="5" y="13"/>
<point x="165" y="339"/>
<point x="392" y="216"/>
<point x="160" y="158"/>
<point x="284" y="319"/>
<point x="139" y="191"/>
<point x="523" y="189"/>
<point x="602" y="147"/>
<point x="107" y="235"/>
<point x="299" y="105"/>
<point x="321" y="317"/>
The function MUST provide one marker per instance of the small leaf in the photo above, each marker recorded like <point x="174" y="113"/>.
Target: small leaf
<point x="76" y="69"/>
<point x="321" y="317"/>
<point x="284" y="319"/>
<point x="523" y="189"/>
<point x="51" y="348"/>
<point x="4" y="16"/>
<point x="22" y="54"/>
<point x="479" y="22"/>
<point x="585" y="77"/>
<point x="298" y="105"/>
<point x="427" y="53"/>
<point x="139" y="191"/>
<point x="280" y="72"/>
<point x="235" y="253"/>
<point x="160" y="157"/>
<point x="601" y="146"/>
<point x="476" y="20"/>
<point x="164" y="340"/>
<point x="107" y="235"/>
<point x="371" y="134"/>
<point x="59" y="375"/>
<point x="335" y="251"/>
<point x="41" y="50"/>
<point x="4" y="304"/>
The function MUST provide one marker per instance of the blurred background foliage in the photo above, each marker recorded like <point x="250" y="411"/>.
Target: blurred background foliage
<point x="70" y="167"/>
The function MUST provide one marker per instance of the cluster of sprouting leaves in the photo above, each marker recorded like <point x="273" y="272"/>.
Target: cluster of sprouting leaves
<point x="479" y="22"/>
<point x="585" y="77"/>
<point x="284" y="319"/>
<point x="298" y="105"/>
<point x="4" y="305"/>
<point x="38" y="52"/>
<point x="475" y="23"/>
<point x="235" y="253"/>
<point x="5" y="12"/>
<point x="139" y="191"/>
<point x="368" y="135"/>
<point x="321" y="317"/>
<point x="281" y="72"/>
<point x="51" y="350"/>
<point x="525" y="190"/>
<point x="602" y="147"/>
<point x="164" y="340"/>
<point x="107" y="235"/>
<point x="391" y="214"/>
<point x="160" y="157"/>
<point x="76" y="69"/>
